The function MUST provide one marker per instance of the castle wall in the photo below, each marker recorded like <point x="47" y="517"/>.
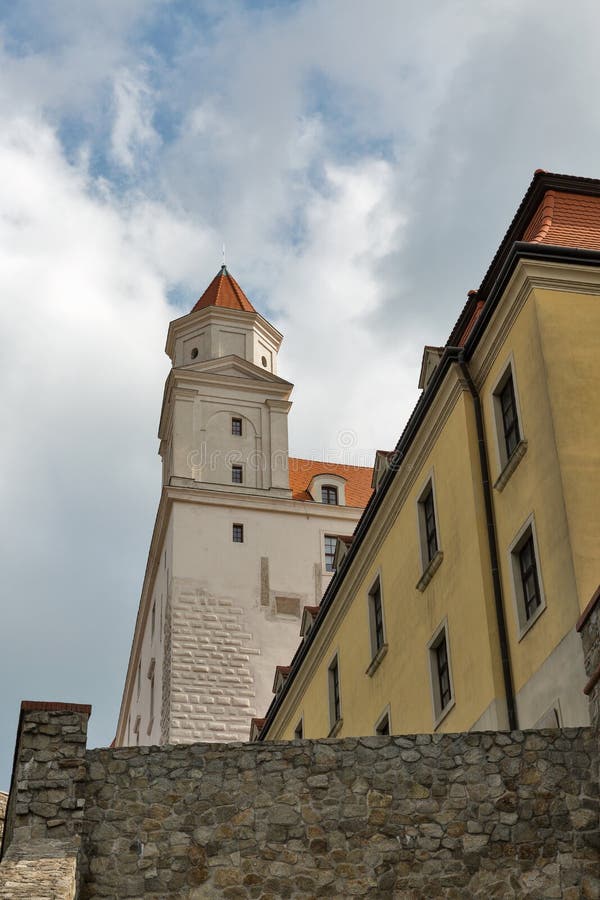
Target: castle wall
<point x="469" y="815"/>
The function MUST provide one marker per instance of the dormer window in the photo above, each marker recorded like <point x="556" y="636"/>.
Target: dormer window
<point x="236" y="427"/>
<point x="329" y="494"/>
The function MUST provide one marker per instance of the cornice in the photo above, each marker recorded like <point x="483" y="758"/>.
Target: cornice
<point x="529" y="274"/>
<point x="262" y="503"/>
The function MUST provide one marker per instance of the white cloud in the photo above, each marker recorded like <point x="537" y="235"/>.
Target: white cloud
<point x="360" y="161"/>
<point x="133" y="136"/>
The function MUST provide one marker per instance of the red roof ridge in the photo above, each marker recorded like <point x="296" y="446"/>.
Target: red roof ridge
<point x="224" y="291"/>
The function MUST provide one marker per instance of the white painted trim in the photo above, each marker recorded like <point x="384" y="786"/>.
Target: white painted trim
<point x="335" y="657"/>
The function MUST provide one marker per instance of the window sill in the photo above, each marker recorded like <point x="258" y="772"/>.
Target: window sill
<point x="525" y="628"/>
<point x="376" y="661"/>
<point x="447" y="709"/>
<point x="504" y="476"/>
<point x="430" y="571"/>
<point x="336" y="728"/>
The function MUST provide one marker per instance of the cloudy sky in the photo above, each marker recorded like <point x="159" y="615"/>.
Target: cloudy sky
<point x="361" y="162"/>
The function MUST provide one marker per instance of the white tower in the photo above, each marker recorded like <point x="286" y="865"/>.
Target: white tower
<point x="243" y="535"/>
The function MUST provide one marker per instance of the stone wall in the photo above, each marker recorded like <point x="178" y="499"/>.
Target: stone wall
<point x="456" y="816"/>
<point x="423" y="816"/>
<point x="44" y="815"/>
<point x="589" y="628"/>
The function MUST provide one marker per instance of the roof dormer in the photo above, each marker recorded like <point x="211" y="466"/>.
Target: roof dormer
<point x="328" y="488"/>
<point x="430" y="362"/>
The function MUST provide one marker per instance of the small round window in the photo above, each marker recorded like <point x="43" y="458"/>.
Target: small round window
<point x="264" y="361"/>
<point x="194" y="353"/>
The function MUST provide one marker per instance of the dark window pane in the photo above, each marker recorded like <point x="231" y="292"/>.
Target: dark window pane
<point x="384" y="726"/>
<point x="236" y="474"/>
<point x="377" y="616"/>
<point x="430" y="529"/>
<point x="529" y="578"/>
<point x="510" y="423"/>
<point x="329" y="494"/>
<point x="298" y="731"/>
<point x="236" y="426"/>
<point x="330" y="545"/>
<point x="443" y="671"/>
<point x="334" y="686"/>
<point x="238" y="534"/>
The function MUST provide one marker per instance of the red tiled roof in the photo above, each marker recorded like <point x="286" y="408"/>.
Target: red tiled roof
<point x="566" y="220"/>
<point x="224" y="291"/>
<point x="358" y="479"/>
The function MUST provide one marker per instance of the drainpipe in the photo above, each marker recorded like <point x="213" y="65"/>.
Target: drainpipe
<point x="493" y="547"/>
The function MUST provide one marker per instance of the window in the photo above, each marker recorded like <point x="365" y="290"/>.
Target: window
<point x="376" y="618"/>
<point x="429" y="544"/>
<point x="153" y="621"/>
<point x="527" y="582"/>
<point x="441" y="675"/>
<point x="329" y="494"/>
<point x="237" y="475"/>
<point x="136" y="730"/>
<point x="428" y="512"/>
<point x="236" y="427"/>
<point x="383" y="725"/>
<point x="299" y="731"/>
<point x="330" y="545"/>
<point x="334" y="693"/>
<point x="510" y="422"/>
<point x="238" y="533"/>
<point x="151" y="700"/>
<point x="509" y="433"/>
<point x="139" y="679"/>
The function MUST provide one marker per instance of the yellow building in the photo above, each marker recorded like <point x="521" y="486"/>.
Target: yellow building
<point x="455" y="605"/>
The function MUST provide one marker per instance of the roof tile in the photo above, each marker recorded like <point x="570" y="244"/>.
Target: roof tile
<point x="358" y="479"/>
<point x="224" y="291"/>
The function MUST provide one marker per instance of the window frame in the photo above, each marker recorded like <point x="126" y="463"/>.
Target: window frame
<point x="429" y="562"/>
<point x="327" y="537"/>
<point x="299" y="729"/>
<point x="235" y="421"/>
<point x="439" y="637"/>
<point x="377" y="635"/>
<point x="325" y="490"/>
<point x="384" y="717"/>
<point x="526" y="534"/>
<point x="507" y="461"/>
<point x="235" y="469"/>
<point x="334" y="694"/>
<point x="234" y="539"/>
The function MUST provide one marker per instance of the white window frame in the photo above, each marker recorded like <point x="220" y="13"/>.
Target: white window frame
<point x="506" y="465"/>
<point x="428" y="566"/>
<point x="516" y="545"/>
<point x="327" y="534"/>
<point x="439" y="712"/>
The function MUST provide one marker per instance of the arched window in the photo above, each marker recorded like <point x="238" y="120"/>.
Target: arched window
<point x="329" y="494"/>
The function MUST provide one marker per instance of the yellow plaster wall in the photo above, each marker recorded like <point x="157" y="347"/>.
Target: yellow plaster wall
<point x="535" y="487"/>
<point x="459" y="591"/>
<point x="569" y="326"/>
